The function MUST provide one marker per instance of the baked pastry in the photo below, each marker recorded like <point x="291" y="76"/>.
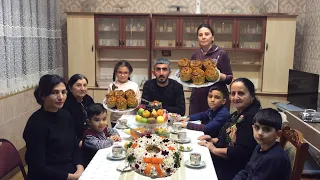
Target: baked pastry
<point x="208" y="64"/>
<point x="118" y="93"/>
<point x="121" y="103"/>
<point x="111" y="101"/>
<point x="195" y="64"/>
<point x="212" y="74"/>
<point x="132" y="102"/>
<point x="198" y="76"/>
<point x="130" y="93"/>
<point x="183" y="63"/>
<point x="186" y="74"/>
<point x="111" y="93"/>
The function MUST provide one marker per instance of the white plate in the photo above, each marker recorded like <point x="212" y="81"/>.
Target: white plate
<point x="183" y="141"/>
<point x="185" y="149"/>
<point x="206" y="84"/>
<point x="201" y="165"/>
<point x="116" y="110"/>
<point x="118" y="126"/>
<point x="110" y="156"/>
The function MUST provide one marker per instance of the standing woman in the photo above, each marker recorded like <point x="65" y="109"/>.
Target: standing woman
<point x="121" y="81"/>
<point x="208" y="50"/>
<point x="78" y="102"/>
<point x="232" y="148"/>
<point x="52" y="148"/>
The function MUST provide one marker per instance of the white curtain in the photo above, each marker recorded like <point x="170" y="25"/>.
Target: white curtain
<point x="30" y="43"/>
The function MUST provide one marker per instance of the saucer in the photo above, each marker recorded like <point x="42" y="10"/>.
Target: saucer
<point x="201" y="165"/>
<point x="118" y="126"/>
<point x="110" y="156"/>
<point x="185" y="148"/>
<point x="183" y="141"/>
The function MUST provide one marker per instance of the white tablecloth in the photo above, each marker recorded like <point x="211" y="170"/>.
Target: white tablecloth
<point x="101" y="168"/>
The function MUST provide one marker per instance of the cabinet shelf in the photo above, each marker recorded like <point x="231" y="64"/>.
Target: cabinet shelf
<point x="245" y="64"/>
<point x="116" y="60"/>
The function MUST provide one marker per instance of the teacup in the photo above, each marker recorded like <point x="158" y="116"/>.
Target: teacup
<point x="122" y="122"/>
<point x="182" y="135"/>
<point x="195" y="159"/>
<point x="117" y="151"/>
<point x="176" y="126"/>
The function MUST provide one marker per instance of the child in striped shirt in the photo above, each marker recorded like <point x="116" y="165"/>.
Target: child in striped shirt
<point x="98" y="135"/>
<point x="215" y="117"/>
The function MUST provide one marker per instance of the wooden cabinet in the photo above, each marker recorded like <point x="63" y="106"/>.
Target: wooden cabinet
<point x="260" y="48"/>
<point x="279" y="52"/>
<point x="81" y="46"/>
<point x="176" y="32"/>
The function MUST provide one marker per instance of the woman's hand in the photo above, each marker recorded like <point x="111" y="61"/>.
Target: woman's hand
<point x="222" y="77"/>
<point x="115" y="138"/>
<point x="77" y="174"/>
<point x="204" y="137"/>
<point x="80" y="144"/>
<point x="209" y="145"/>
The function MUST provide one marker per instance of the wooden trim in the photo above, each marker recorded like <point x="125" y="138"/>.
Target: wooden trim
<point x="13" y="94"/>
<point x="187" y="15"/>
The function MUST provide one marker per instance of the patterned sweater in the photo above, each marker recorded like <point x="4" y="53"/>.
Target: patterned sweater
<point x="95" y="140"/>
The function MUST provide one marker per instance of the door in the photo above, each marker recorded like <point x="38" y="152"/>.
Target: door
<point x="135" y="32"/>
<point x="108" y="32"/>
<point x="224" y="32"/>
<point x="81" y="46"/>
<point x="188" y="32"/>
<point x="165" y="33"/>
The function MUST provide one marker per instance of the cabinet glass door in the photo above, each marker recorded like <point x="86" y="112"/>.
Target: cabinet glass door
<point x="135" y="32"/>
<point x="165" y="32"/>
<point x="250" y="34"/>
<point x="223" y="32"/>
<point x="189" y="38"/>
<point x="108" y="31"/>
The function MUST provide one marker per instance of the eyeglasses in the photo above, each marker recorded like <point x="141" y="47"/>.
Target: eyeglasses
<point x="122" y="73"/>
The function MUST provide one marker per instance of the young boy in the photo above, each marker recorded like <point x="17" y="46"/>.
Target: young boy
<point x="98" y="135"/>
<point x="268" y="160"/>
<point x="215" y="117"/>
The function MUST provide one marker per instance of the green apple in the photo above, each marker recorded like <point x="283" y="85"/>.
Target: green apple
<point x="144" y="120"/>
<point x="138" y="118"/>
<point x="140" y="111"/>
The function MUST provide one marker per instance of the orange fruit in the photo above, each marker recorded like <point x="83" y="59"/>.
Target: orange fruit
<point x="160" y="112"/>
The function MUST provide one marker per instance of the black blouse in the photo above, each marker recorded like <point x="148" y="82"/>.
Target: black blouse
<point x="52" y="148"/>
<point x="239" y="152"/>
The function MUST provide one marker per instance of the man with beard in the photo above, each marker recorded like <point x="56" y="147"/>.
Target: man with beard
<point x="168" y="91"/>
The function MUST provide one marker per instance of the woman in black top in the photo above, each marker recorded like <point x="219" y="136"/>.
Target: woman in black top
<point x="78" y="102"/>
<point x="52" y="148"/>
<point x="233" y="147"/>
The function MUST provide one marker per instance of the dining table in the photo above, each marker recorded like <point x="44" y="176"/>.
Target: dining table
<point x="102" y="168"/>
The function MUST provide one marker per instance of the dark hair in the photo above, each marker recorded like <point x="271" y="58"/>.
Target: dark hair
<point x="250" y="86"/>
<point x="95" y="110"/>
<point x="118" y="65"/>
<point x="268" y="117"/>
<point x="206" y="26"/>
<point x="74" y="79"/>
<point x="46" y="85"/>
<point x="223" y="90"/>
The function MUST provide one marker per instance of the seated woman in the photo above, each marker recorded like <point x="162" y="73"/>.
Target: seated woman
<point x="78" y="102"/>
<point x="52" y="148"/>
<point x="232" y="148"/>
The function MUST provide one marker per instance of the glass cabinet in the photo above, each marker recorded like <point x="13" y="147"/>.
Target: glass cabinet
<point x="176" y="32"/>
<point x="251" y="35"/>
<point x="224" y="34"/>
<point x="122" y="31"/>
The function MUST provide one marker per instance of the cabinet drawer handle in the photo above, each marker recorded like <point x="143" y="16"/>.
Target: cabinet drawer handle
<point x="177" y="43"/>
<point x="119" y="42"/>
<point x="188" y="98"/>
<point x="92" y="48"/>
<point x="267" y="47"/>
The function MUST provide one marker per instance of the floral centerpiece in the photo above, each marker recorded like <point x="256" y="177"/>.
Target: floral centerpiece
<point x="154" y="156"/>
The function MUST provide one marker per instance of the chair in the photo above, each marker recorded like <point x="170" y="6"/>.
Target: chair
<point x="9" y="159"/>
<point x="297" y="152"/>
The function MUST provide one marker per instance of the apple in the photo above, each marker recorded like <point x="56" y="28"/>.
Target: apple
<point x="144" y="120"/>
<point x="160" y="119"/>
<point x="165" y="116"/>
<point x="140" y="111"/>
<point x="138" y="118"/>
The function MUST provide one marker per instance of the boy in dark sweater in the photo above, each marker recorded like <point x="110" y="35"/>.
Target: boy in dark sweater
<point x="98" y="135"/>
<point x="268" y="161"/>
<point x="215" y="117"/>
